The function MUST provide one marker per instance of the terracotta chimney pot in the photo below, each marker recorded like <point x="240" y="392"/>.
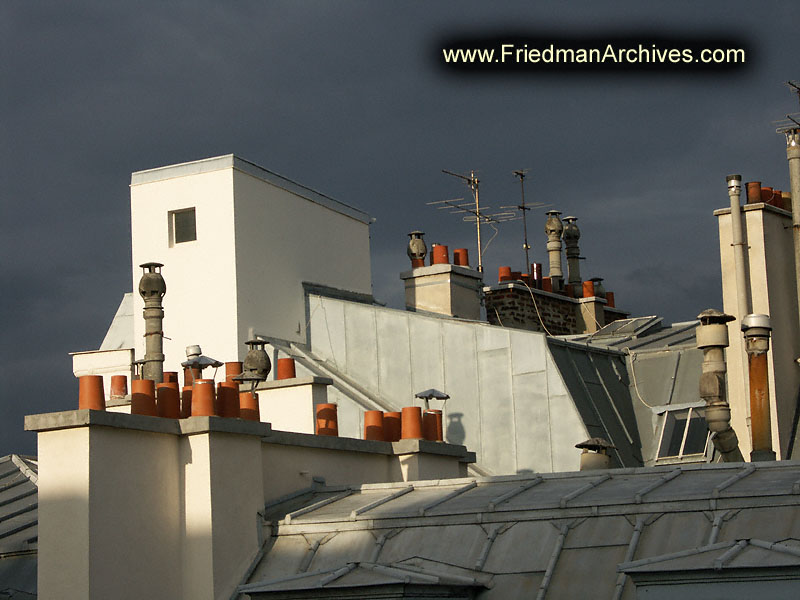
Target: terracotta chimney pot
<point x="119" y="386"/>
<point x="90" y="392"/>
<point x="461" y="257"/>
<point x="168" y="400"/>
<point x="373" y="425"/>
<point x="504" y="274"/>
<point x="248" y="406"/>
<point x="286" y="369"/>
<point x="327" y="422"/>
<point x="143" y="397"/>
<point x="411" y="426"/>
<point x="232" y="369"/>
<point x="432" y="425"/>
<point x="203" y="398"/>
<point x="392" y="426"/>
<point x="440" y="255"/>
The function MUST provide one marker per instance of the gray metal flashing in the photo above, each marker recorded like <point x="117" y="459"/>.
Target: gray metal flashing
<point x="551" y="565"/>
<point x="230" y="161"/>
<point x="582" y="490"/>
<point x="495" y="502"/>
<point x="748" y="470"/>
<point x="307" y="509"/>
<point x="656" y="484"/>
<point x="424" y="509"/>
<point x="362" y="509"/>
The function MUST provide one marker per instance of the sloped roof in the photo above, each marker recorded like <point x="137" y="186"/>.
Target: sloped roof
<point x="120" y="332"/>
<point x="18" y="526"/>
<point x="519" y="536"/>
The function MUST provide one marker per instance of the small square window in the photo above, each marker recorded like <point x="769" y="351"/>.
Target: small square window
<point x="183" y="225"/>
<point x="685" y="433"/>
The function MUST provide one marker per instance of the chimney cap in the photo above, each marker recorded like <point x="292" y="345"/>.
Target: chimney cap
<point x="735" y="177"/>
<point x="431" y="394"/>
<point x="151" y="265"/>
<point x="416" y="232"/>
<point x="553" y="212"/>
<point x="570" y="219"/>
<point x="712" y="316"/>
<point x="596" y="444"/>
<point x="756" y="321"/>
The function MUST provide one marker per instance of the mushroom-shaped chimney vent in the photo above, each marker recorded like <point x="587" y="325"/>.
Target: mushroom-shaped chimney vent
<point x="152" y="285"/>
<point x="711" y="316"/>
<point x="596" y="444"/>
<point x="256" y="365"/>
<point x="571" y="231"/>
<point x="417" y="250"/>
<point x="553" y="226"/>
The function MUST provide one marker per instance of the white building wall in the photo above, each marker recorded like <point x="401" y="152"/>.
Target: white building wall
<point x="200" y="303"/>
<point x="282" y="240"/>
<point x="259" y="237"/>
<point x="508" y="401"/>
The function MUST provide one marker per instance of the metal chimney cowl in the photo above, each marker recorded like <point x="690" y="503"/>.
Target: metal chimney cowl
<point x="417" y="250"/>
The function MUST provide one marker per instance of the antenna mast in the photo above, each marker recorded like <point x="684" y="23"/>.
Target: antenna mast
<point x="473" y="182"/>
<point x="521" y="174"/>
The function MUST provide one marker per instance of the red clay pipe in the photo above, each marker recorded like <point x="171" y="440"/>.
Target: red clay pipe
<point x="766" y="194"/>
<point x="461" y="257"/>
<point x="610" y="300"/>
<point x="440" y="255"/>
<point x="186" y="402"/>
<point x="753" y="192"/>
<point x="168" y="400"/>
<point x="503" y="274"/>
<point x="547" y="284"/>
<point x="248" y="406"/>
<point x="588" y="289"/>
<point x="203" y="398"/>
<point x="190" y="375"/>
<point x="119" y="387"/>
<point x="392" y="426"/>
<point x="432" y="425"/>
<point x="411" y="426"/>
<point x="285" y="369"/>
<point x="327" y="422"/>
<point x="170" y="377"/>
<point x="143" y="397"/>
<point x="756" y="330"/>
<point x="90" y="393"/>
<point x="227" y="404"/>
<point x="373" y="425"/>
<point x="232" y="369"/>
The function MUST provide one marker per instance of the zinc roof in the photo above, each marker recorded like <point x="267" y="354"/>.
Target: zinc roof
<point x="529" y="535"/>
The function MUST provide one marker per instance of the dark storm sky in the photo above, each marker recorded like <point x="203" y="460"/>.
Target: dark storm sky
<point x="352" y="99"/>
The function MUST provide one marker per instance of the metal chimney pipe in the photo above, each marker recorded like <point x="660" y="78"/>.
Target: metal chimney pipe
<point x="793" y="155"/>
<point x="152" y="289"/>
<point x="553" y="228"/>
<point x="742" y="297"/>
<point x="712" y="339"/>
<point x="571" y="236"/>
<point x="756" y="330"/>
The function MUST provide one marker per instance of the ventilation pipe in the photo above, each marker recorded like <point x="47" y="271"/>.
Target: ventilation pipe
<point x="553" y="228"/>
<point x="571" y="236"/>
<point x="756" y="330"/>
<point x="793" y="155"/>
<point x="152" y="289"/>
<point x="742" y="297"/>
<point x="712" y="339"/>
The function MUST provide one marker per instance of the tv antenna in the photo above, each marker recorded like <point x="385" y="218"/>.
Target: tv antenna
<point x="473" y="183"/>
<point x="792" y="121"/>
